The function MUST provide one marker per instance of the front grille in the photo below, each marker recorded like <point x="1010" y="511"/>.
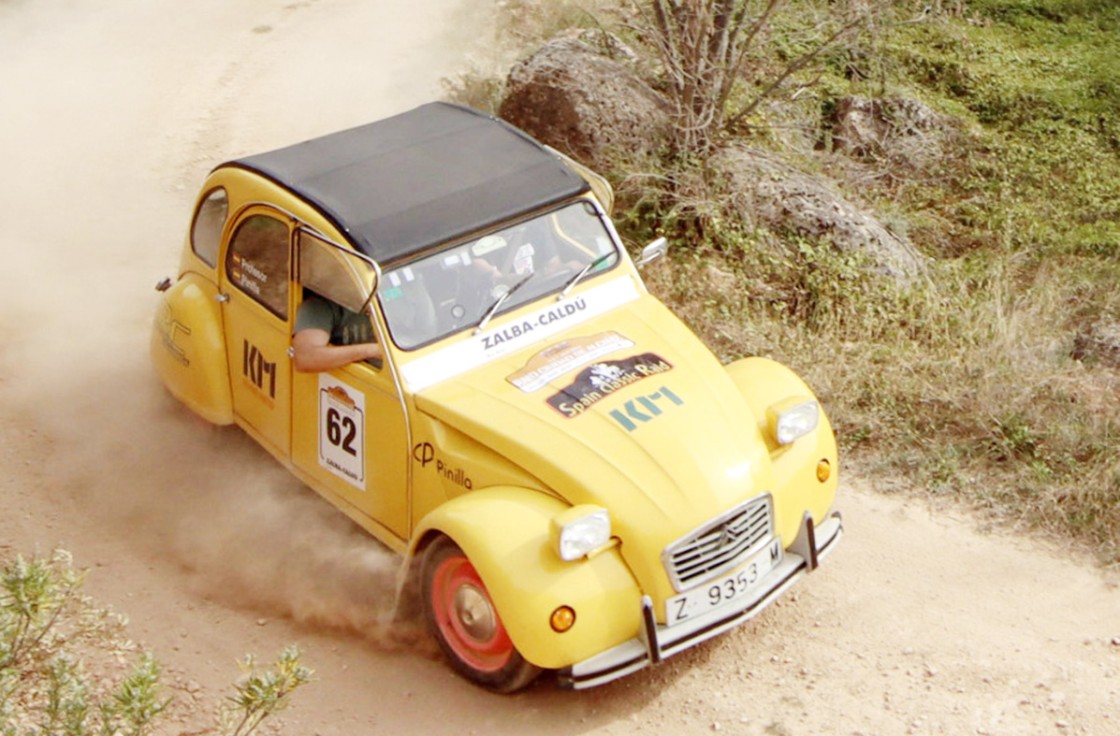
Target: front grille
<point x="719" y="545"/>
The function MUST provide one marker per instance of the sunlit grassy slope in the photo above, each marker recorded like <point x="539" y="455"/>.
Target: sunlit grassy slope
<point x="967" y="385"/>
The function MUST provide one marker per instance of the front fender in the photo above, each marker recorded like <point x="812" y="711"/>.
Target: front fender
<point x="505" y="533"/>
<point x="797" y="487"/>
<point x="188" y="348"/>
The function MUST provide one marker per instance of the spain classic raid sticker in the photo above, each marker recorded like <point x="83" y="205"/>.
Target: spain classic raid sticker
<point x="556" y="360"/>
<point x="342" y="430"/>
<point x="597" y="382"/>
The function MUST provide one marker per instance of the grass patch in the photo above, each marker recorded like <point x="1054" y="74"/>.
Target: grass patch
<point x="963" y="385"/>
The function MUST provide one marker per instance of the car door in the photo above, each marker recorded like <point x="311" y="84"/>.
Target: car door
<point x="255" y="290"/>
<point x="350" y="429"/>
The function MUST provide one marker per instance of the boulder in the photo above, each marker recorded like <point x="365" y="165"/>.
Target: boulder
<point x="765" y="191"/>
<point x="1099" y="343"/>
<point x="581" y="94"/>
<point x="899" y="130"/>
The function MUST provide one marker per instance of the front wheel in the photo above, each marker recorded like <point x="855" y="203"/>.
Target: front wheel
<point x="466" y="624"/>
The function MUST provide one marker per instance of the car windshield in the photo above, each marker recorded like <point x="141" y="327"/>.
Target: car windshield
<point x="466" y="285"/>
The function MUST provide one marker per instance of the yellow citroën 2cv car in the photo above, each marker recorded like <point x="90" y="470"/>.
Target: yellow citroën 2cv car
<point x="574" y="481"/>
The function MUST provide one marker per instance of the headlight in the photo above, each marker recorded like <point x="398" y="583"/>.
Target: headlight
<point x="793" y="418"/>
<point x="580" y="530"/>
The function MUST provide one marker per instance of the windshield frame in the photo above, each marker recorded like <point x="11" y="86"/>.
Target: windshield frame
<point x="470" y="323"/>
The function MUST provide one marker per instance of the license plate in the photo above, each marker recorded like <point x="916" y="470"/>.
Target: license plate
<point x="724" y="591"/>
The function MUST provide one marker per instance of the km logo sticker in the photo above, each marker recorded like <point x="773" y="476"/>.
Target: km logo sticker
<point x="260" y="372"/>
<point x="645" y="408"/>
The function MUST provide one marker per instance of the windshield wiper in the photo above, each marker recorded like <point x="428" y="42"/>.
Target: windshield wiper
<point x="499" y="302"/>
<point x="583" y="272"/>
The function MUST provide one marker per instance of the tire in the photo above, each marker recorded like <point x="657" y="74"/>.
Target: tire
<point x="466" y="624"/>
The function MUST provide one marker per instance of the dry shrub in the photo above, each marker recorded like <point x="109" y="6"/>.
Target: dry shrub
<point x="965" y="389"/>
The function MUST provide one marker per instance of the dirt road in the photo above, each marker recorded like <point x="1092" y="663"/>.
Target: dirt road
<point x="111" y="113"/>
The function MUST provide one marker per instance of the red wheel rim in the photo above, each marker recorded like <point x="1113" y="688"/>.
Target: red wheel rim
<point x="466" y="617"/>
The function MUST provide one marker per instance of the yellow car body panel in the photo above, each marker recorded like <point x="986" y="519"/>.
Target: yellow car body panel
<point x="528" y="581"/>
<point x="188" y="349"/>
<point x="652" y="489"/>
<point x="794" y="467"/>
<point x="500" y="413"/>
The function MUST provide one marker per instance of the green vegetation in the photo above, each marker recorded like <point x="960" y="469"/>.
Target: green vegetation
<point x="60" y="665"/>
<point x="262" y="693"/>
<point x="963" y="384"/>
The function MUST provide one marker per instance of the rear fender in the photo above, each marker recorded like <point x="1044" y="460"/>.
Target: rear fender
<point x="505" y="533"/>
<point x="188" y="348"/>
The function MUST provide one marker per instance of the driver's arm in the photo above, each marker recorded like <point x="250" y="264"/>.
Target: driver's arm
<point x="312" y="351"/>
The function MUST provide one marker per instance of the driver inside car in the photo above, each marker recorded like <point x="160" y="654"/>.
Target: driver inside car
<point x="328" y="336"/>
<point x="510" y="257"/>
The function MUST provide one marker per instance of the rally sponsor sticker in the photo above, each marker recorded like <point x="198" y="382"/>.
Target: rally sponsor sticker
<point x="597" y="382"/>
<point x="556" y="360"/>
<point x="342" y="429"/>
<point x="481" y="348"/>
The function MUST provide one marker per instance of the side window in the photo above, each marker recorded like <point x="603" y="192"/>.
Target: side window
<point x="257" y="262"/>
<point x="334" y="272"/>
<point x="206" y="230"/>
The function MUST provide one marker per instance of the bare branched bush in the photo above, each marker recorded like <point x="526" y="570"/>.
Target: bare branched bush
<point x="716" y="53"/>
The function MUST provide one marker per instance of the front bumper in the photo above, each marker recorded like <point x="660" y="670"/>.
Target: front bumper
<point x="657" y="642"/>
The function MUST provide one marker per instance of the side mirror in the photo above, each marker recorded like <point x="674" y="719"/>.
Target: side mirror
<point x="653" y="251"/>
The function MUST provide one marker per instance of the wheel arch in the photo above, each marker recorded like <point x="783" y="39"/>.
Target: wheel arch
<point x="763" y="383"/>
<point x="188" y="348"/>
<point x="504" y="532"/>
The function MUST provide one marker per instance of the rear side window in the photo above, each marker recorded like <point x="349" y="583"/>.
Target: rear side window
<point x="257" y="262"/>
<point x="206" y="231"/>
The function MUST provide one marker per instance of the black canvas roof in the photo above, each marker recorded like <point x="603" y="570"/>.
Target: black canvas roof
<point x="401" y="185"/>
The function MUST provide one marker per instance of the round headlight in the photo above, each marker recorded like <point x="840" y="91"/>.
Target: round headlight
<point x="792" y="419"/>
<point x="579" y="530"/>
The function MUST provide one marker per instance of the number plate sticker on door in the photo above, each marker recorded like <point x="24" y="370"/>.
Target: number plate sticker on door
<point x="726" y="590"/>
<point x="342" y="430"/>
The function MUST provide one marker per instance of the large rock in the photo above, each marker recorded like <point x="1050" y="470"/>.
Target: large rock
<point x="1099" y="343"/>
<point x="581" y="94"/>
<point x="896" y="129"/>
<point x="764" y="191"/>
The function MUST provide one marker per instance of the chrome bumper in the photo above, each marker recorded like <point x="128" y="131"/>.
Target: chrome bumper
<point x="658" y="642"/>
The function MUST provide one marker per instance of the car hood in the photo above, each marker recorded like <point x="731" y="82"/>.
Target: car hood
<point x="631" y="413"/>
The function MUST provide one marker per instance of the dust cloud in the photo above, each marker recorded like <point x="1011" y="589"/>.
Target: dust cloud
<point x="112" y="117"/>
<point x="113" y="448"/>
<point x="207" y="500"/>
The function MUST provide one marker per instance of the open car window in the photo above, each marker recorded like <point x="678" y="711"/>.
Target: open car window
<point x="335" y="272"/>
<point x="455" y="288"/>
